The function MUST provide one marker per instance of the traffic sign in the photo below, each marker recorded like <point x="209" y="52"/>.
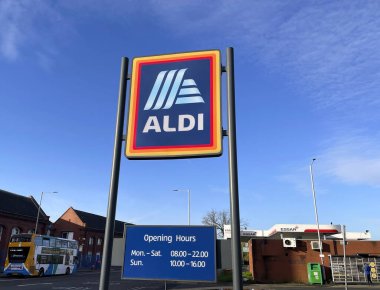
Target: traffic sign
<point x="175" y="106"/>
<point x="170" y="253"/>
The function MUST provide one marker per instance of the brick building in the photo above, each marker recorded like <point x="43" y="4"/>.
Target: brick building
<point x="271" y="262"/>
<point x="18" y="214"/>
<point x="281" y="254"/>
<point x="88" y="229"/>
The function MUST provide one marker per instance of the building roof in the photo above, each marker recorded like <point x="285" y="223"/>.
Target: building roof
<point x="299" y="231"/>
<point x="19" y="205"/>
<point x="98" y="222"/>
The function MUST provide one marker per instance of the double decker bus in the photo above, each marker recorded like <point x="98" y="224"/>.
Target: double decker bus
<point x="39" y="255"/>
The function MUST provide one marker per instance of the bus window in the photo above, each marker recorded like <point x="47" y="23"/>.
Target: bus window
<point x="45" y="242"/>
<point x="23" y="238"/>
<point x="38" y="241"/>
<point x="18" y="254"/>
<point x="73" y="245"/>
<point x="52" y="242"/>
<point x="64" y="244"/>
<point x="44" y="259"/>
<point x="56" y="259"/>
<point x="58" y="243"/>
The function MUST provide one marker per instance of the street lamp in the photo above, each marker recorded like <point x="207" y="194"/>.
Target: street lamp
<point x="39" y="208"/>
<point x="188" y="205"/>
<point x="316" y="211"/>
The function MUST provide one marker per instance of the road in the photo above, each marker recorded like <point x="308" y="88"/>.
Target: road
<point x="77" y="281"/>
<point x="90" y="281"/>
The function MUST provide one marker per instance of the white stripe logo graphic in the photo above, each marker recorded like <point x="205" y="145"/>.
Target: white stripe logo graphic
<point x="168" y="89"/>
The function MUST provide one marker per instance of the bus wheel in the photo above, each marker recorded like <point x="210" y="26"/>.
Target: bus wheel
<point x="67" y="271"/>
<point x="41" y="272"/>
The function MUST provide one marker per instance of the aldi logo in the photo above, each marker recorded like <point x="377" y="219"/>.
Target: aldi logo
<point x="174" y="109"/>
<point x="166" y="81"/>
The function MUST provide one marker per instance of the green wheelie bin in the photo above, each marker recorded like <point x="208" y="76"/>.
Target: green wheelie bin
<point x="314" y="273"/>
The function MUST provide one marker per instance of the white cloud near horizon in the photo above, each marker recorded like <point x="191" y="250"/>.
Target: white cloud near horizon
<point x="353" y="160"/>
<point x="348" y="160"/>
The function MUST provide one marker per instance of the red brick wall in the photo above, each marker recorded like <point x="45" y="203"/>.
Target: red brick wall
<point x="270" y="262"/>
<point x="72" y="217"/>
<point x="70" y="222"/>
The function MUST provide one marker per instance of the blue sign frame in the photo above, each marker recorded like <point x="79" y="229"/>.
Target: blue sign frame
<point x="172" y="253"/>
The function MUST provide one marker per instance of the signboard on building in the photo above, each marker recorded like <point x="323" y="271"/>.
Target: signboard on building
<point x="170" y="253"/>
<point x="227" y="231"/>
<point x="175" y="106"/>
<point x="243" y="233"/>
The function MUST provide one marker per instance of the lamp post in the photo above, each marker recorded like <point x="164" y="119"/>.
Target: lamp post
<point x="343" y="230"/>
<point x="316" y="213"/>
<point x="39" y="208"/>
<point x="188" y="204"/>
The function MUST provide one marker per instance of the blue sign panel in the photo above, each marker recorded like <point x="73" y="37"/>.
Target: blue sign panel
<point x="174" y="109"/>
<point x="170" y="253"/>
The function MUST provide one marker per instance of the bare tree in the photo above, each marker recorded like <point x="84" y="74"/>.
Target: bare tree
<point x="219" y="219"/>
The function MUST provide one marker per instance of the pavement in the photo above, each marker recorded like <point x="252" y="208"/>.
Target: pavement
<point x="247" y="286"/>
<point x="283" y="286"/>
<point x="251" y="286"/>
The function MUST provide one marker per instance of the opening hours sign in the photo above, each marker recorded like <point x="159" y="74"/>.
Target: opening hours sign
<point x="170" y="253"/>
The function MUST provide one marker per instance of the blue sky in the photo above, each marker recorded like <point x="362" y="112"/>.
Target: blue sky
<point x="307" y="84"/>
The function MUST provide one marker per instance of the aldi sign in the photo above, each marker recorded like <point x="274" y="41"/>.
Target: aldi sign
<point x="175" y="106"/>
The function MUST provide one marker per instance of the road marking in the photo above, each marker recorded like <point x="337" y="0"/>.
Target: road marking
<point x="26" y="285"/>
<point x="72" y="288"/>
<point x="11" y="280"/>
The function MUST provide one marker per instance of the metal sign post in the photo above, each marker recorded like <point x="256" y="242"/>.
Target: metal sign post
<point x="112" y="199"/>
<point x="175" y="95"/>
<point x="233" y="174"/>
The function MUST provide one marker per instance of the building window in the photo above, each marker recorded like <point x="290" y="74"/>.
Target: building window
<point x="68" y="235"/>
<point x="30" y="231"/>
<point x="91" y="241"/>
<point x="99" y="241"/>
<point x="15" y="231"/>
<point x="89" y="257"/>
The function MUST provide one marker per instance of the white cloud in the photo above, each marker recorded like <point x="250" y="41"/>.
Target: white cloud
<point x="329" y="49"/>
<point x="347" y="160"/>
<point x="333" y="48"/>
<point x="11" y="35"/>
<point x="33" y="28"/>
<point x="353" y="160"/>
<point x="299" y="180"/>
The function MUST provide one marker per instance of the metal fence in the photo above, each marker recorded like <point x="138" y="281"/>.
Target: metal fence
<point x="355" y="269"/>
